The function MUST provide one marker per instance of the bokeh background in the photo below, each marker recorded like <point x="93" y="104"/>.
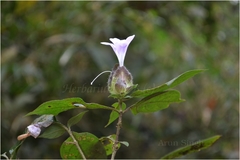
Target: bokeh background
<point x="52" y="50"/>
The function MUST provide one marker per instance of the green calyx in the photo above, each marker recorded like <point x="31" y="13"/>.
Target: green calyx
<point x="120" y="81"/>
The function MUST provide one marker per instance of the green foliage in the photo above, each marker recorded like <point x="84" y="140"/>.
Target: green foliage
<point x="57" y="106"/>
<point x="156" y="101"/>
<point x="49" y="51"/>
<point x="158" y="98"/>
<point x="196" y="147"/>
<point x="74" y="120"/>
<point x="172" y="83"/>
<point x="89" y="143"/>
<point x="114" y="114"/>
<point x="14" y="150"/>
<point x="108" y="143"/>
<point x="86" y="145"/>
<point x="54" y="131"/>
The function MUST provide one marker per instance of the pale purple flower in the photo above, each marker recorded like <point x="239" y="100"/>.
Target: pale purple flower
<point x="34" y="130"/>
<point x="120" y="47"/>
<point x="43" y="121"/>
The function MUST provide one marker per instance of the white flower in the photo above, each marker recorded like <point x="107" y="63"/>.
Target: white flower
<point x="120" y="47"/>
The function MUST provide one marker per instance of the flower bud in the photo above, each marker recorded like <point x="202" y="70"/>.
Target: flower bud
<point x="120" y="81"/>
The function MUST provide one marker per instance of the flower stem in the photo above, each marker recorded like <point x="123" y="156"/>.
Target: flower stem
<point x="119" y="125"/>
<point x="68" y="129"/>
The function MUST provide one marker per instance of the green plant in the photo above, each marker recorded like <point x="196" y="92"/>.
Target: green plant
<point x="120" y="85"/>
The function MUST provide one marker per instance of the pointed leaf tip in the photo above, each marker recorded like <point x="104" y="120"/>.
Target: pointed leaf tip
<point x="55" y="107"/>
<point x="170" y="84"/>
<point x="156" y="102"/>
<point x="74" y="120"/>
<point x="195" y="147"/>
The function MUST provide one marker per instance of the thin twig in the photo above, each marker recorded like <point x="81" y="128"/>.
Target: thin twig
<point x="119" y="125"/>
<point x="127" y="109"/>
<point x="74" y="141"/>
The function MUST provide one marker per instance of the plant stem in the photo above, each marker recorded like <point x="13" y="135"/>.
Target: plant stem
<point x="74" y="141"/>
<point x="119" y="125"/>
<point x="5" y="156"/>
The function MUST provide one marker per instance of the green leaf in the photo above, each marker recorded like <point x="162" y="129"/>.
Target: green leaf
<point x="156" y="102"/>
<point x="124" y="143"/>
<point x="174" y="82"/>
<point x="114" y="115"/>
<point x="13" y="151"/>
<point x="116" y="105"/>
<point x="96" y="106"/>
<point x="53" y="131"/>
<point x="89" y="143"/>
<point x="203" y="144"/>
<point x="108" y="143"/>
<point x="74" y="120"/>
<point x="57" y="106"/>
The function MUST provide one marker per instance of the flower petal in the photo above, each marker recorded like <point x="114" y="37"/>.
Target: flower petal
<point x="129" y="39"/>
<point x="120" y="47"/>
<point x="34" y="130"/>
<point x="115" y="40"/>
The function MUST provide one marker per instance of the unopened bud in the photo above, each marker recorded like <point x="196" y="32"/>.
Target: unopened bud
<point x="23" y="136"/>
<point x="120" y="81"/>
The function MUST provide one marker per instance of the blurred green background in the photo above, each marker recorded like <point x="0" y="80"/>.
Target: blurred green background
<point x="52" y="50"/>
